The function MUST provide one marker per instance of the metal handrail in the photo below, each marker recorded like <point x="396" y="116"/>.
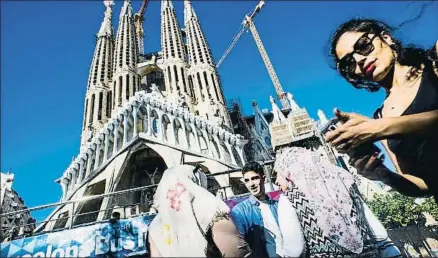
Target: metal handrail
<point x="92" y="197"/>
<point x="70" y="222"/>
<point x="86" y="198"/>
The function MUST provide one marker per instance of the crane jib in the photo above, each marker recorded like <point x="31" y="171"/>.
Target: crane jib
<point x="248" y="23"/>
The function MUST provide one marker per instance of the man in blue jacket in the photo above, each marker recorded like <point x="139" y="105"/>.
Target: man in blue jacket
<point x="256" y="218"/>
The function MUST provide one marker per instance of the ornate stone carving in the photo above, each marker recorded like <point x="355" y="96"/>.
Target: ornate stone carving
<point x="161" y="107"/>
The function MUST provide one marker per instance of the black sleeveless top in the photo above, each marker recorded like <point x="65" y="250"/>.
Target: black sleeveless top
<point x="420" y="152"/>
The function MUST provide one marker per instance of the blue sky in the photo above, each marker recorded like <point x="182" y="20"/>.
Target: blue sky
<point x="46" y="51"/>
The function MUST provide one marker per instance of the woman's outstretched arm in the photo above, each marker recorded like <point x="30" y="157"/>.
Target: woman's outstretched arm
<point x="228" y="239"/>
<point x="359" y="129"/>
<point x="416" y="124"/>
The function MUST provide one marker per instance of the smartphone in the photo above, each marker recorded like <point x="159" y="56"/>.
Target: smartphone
<point x="331" y="125"/>
<point x="360" y="151"/>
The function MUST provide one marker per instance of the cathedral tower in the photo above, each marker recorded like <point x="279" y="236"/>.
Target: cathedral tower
<point x="174" y="53"/>
<point x="98" y="96"/>
<point x="202" y="73"/>
<point x="125" y="80"/>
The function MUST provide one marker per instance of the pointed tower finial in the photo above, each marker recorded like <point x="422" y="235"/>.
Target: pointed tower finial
<point x="293" y="105"/>
<point x="106" y="28"/>
<point x="188" y="11"/>
<point x="322" y="117"/>
<point x="278" y="115"/>
<point x="166" y="3"/>
<point x="127" y="9"/>
<point x="108" y="3"/>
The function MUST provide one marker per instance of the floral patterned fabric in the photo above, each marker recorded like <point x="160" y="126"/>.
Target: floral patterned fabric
<point x="186" y="212"/>
<point x="326" y="200"/>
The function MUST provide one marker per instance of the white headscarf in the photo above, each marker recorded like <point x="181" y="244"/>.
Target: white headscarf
<point x="327" y="187"/>
<point x="186" y="210"/>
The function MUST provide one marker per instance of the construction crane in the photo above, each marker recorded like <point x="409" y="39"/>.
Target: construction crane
<point x="139" y="19"/>
<point x="248" y="23"/>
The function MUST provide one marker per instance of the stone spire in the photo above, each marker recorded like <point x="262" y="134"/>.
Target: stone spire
<point x="293" y="105"/>
<point x="199" y="51"/>
<point x="98" y="96"/>
<point x="260" y="123"/>
<point x="174" y="53"/>
<point x="261" y="126"/>
<point x="125" y="80"/>
<point x="279" y="118"/>
<point x="322" y="118"/>
<point x="203" y="77"/>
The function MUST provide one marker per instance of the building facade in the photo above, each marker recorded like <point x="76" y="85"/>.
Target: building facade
<point x="16" y="224"/>
<point x="144" y="113"/>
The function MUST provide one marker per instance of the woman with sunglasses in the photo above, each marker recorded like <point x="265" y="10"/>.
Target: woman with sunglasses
<point x="370" y="58"/>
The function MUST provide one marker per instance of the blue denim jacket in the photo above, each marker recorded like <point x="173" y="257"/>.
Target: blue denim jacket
<point x="248" y="219"/>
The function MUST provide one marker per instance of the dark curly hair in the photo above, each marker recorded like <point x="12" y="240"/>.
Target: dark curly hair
<point x="410" y="55"/>
<point x="253" y="166"/>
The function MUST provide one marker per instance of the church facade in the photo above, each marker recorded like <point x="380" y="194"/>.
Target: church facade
<point x="144" y="113"/>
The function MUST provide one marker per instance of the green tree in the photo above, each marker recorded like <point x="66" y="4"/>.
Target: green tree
<point x="430" y="207"/>
<point x="395" y="210"/>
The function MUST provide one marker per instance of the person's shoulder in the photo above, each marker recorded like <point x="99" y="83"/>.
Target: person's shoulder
<point x="241" y="206"/>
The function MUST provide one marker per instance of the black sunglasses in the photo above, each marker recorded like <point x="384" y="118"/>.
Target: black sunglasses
<point x="363" y="46"/>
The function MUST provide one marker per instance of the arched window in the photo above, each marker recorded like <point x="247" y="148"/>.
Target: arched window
<point x="120" y="89"/>
<point x="175" y="73"/>
<point x="192" y="91"/>
<point x="215" y="88"/>
<point x="108" y="104"/>
<point x="200" y="85"/>
<point x="86" y="111"/>
<point x="183" y="79"/>
<point x="206" y="83"/>
<point x="92" y="108"/>
<point x="99" y="105"/>
<point x="170" y="79"/>
<point x="114" y="94"/>
<point x="134" y="81"/>
<point x="127" y="86"/>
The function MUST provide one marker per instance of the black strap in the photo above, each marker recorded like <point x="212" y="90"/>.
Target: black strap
<point x="378" y="112"/>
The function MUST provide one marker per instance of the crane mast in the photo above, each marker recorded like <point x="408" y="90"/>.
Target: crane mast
<point x="281" y="95"/>
<point x="248" y="23"/>
<point x="139" y="19"/>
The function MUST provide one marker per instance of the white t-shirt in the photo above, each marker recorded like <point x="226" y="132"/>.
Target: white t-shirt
<point x="288" y="236"/>
<point x="271" y="227"/>
<point x="294" y="244"/>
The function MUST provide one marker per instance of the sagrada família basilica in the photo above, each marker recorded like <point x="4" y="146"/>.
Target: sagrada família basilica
<point x="146" y="112"/>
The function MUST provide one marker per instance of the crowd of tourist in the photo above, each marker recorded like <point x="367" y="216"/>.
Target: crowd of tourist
<point x="320" y="213"/>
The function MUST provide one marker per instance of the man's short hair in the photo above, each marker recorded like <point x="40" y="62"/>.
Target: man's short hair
<point x="253" y="166"/>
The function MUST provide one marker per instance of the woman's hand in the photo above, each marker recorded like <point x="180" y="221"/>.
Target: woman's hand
<point x="367" y="166"/>
<point x="356" y="130"/>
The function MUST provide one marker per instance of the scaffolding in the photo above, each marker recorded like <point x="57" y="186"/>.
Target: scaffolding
<point x="240" y="125"/>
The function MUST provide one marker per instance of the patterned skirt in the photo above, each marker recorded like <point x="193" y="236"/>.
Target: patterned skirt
<point x="319" y="245"/>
